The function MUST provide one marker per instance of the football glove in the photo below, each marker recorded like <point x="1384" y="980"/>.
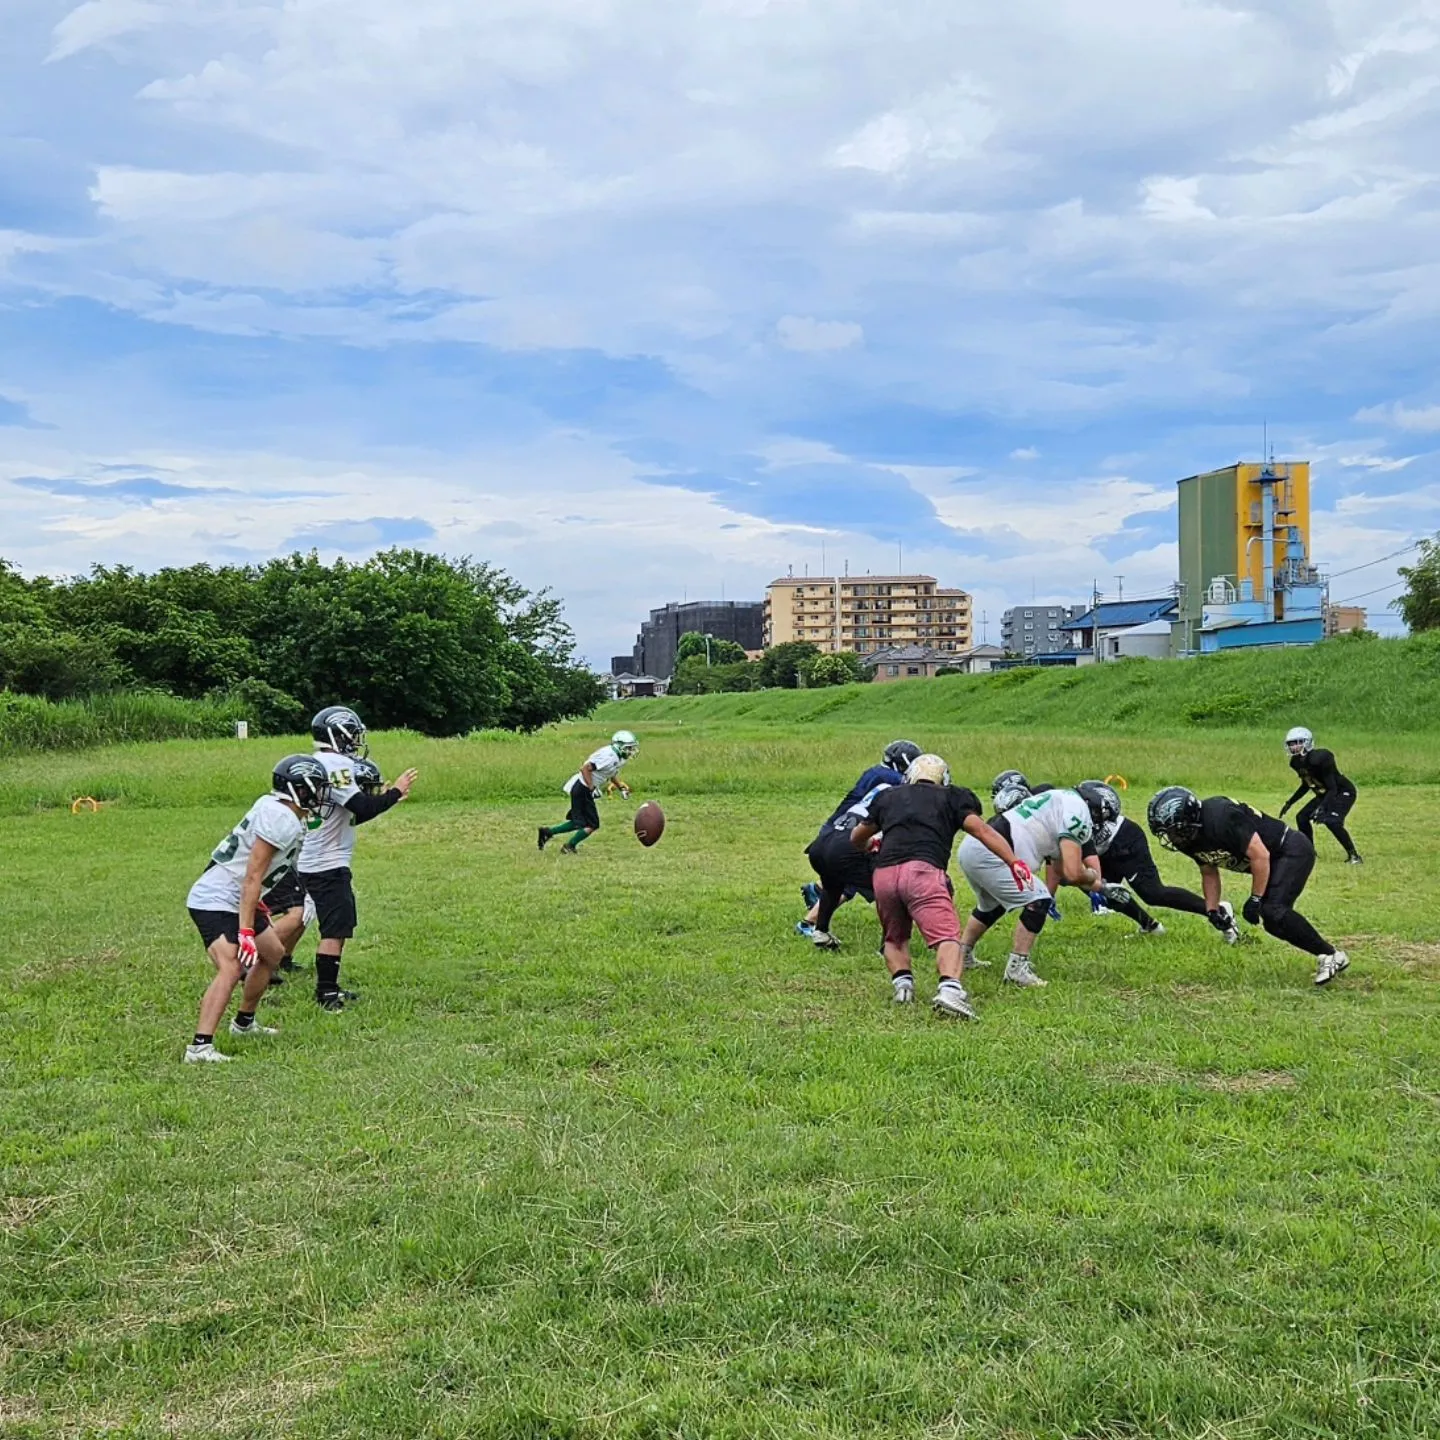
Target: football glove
<point x="1098" y="904"/>
<point x="248" y="953"/>
<point x="1024" y="877"/>
<point x="1218" y="920"/>
<point x="1251" y="910"/>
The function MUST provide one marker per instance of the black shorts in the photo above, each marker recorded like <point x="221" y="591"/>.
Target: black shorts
<point x="840" y="866"/>
<point x="286" y="894"/>
<point x="583" y="809"/>
<point x="334" y="897"/>
<point x="216" y="925"/>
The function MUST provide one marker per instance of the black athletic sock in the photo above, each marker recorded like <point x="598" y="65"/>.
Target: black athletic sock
<point x="1126" y="905"/>
<point x="244" y="1018"/>
<point x="327" y="974"/>
<point x="1343" y="836"/>
<point x="1295" y="929"/>
<point x="203" y="1039"/>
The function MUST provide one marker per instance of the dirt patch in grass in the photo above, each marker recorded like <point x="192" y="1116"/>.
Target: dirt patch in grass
<point x="19" y="1211"/>
<point x="1248" y="1082"/>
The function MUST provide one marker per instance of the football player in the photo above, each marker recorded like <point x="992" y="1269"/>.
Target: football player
<point x="918" y="822"/>
<point x="1222" y="834"/>
<point x="1051" y="827"/>
<point x="225" y="902"/>
<point x="330" y="846"/>
<point x="1334" y="795"/>
<point x="1125" y="861"/>
<point x="890" y="771"/>
<point x="843" y="871"/>
<point x="584" y="787"/>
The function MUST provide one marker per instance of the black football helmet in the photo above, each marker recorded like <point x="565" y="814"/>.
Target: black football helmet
<point x="1174" y="815"/>
<point x="1009" y="780"/>
<point x="303" y="779"/>
<point x="1102" y="802"/>
<point x="339" y="728"/>
<point x="366" y="774"/>
<point x="899" y="753"/>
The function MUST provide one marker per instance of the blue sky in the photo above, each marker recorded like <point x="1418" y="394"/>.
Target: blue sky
<point x="651" y="298"/>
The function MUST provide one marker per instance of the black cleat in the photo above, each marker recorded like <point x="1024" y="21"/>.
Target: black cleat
<point x="1355" y="859"/>
<point x="330" y="1000"/>
<point x="544" y="838"/>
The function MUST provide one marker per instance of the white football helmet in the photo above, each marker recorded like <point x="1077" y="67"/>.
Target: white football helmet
<point x="1299" y="741"/>
<point x="625" y="744"/>
<point x="927" y="770"/>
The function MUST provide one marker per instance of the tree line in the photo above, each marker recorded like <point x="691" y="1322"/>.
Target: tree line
<point x="439" y="645"/>
<point x="707" y="666"/>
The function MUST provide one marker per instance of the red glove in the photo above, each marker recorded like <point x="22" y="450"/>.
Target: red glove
<point x="1023" y="876"/>
<point x="248" y="953"/>
<point x="874" y="846"/>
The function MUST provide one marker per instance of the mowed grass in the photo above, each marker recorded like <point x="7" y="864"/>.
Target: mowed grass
<point x="606" y="1151"/>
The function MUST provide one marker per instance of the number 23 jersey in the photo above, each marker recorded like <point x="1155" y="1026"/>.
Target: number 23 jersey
<point x="269" y="819"/>
<point x="330" y="845"/>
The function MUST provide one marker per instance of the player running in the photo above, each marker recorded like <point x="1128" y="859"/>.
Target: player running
<point x="1125" y="861"/>
<point x="584" y="787"/>
<point x="1051" y="828"/>
<point x="890" y="771"/>
<point x="1334" y="795"/>
<point x="225" y="902"/>
<point x="330" y="846"/>
<point x="918" y="822"/>
<point x="1222" y="834"/>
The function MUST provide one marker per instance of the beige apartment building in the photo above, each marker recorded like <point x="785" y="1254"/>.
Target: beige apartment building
<point x="866" y="613"/>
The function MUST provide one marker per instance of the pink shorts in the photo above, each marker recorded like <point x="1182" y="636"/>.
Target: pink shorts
<point x="916" y="894"/>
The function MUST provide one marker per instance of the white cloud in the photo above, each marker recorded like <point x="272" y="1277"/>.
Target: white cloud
<point x="799" y="332"/>
<point x="1421" y="419"/>
<point x="1025" y="452"/>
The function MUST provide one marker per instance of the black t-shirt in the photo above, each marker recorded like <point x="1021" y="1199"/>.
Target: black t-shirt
<point x="1226" y="829"/>
<point x="920" y="822"/>
<point x="1317" y="772"/>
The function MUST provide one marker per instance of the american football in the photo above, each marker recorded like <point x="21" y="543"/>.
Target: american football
<point x="649" y="823"/>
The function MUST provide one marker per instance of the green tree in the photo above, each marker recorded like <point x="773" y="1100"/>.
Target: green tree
<point x="1419" y="606"/>
<point x="839" y="669"/>
<point x="694" y="677"/>
<point x="720" y="652"/>
<point x="779" y="668"/>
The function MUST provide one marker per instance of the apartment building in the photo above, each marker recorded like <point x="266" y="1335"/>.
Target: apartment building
<point x="866" y="613"/>
<point x="1037" y="629"/>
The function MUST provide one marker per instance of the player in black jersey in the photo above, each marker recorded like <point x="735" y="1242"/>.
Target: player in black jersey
<point x="1333" y="795"/>
<point x="1222" y="834"/>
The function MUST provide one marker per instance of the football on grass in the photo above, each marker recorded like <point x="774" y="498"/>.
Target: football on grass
<point x="649" y="823"/>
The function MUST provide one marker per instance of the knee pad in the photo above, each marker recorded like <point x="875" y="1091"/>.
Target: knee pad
<point x="1034" y="915"/>
<point x="988" y="917"/>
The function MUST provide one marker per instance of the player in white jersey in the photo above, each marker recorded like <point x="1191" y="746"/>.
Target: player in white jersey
<point x="1051" y="828"/>
<point x="329" y="847"/>
<point x="585" y="785"/>
<point x="225" y="902"/>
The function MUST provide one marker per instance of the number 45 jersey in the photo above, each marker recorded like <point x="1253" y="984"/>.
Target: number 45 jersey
<point x="1039" y="824"/>
<point x="269" y="819"/>
<point x="330" y="845"/>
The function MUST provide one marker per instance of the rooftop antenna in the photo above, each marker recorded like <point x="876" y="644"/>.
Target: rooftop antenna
<point x="984" y="627"/>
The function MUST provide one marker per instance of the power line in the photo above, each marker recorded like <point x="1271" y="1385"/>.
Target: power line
<point x="1394" y="554"/>
<point x="1367" y="593"/>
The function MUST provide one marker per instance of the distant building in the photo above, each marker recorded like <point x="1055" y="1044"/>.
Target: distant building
<point x="1342" y="619"/>
<point x="866" y="612"/>
<point x="1245" y="572"/>
<point x="624" y="686"/>
<point x="742" y="621"/>
<point x="1114" y="629"/>
<point x="907" y="662"/>
<point x="1036" y="629"/>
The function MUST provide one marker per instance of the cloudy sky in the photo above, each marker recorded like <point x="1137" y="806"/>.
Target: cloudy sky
<point x="652" y="298"/>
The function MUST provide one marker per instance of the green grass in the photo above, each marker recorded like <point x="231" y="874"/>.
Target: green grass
<point x="30" y="723"/>
<point x="606" y="1152"/>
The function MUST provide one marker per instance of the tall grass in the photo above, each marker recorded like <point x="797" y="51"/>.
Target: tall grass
<point x="28" y="723"/>
<point x="1376" y="687"/>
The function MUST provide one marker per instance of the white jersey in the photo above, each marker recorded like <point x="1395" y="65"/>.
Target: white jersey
<point x="1039" y="824"/>
<point x="330" y="845"/>
<point x="269" y="819"/>
<point x="606" y="762"/>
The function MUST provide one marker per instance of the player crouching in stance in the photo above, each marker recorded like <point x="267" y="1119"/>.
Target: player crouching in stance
<point x="918" y="822"/>
<point x="585" y="785"/>
<point x="1125" y="861"/>
<point x="1334" y="795"/>
<point x="1051" y="827"/>
<point x="330" y="846"/>
<point x="225" y="901"/>
<point x="1222" y="834"/>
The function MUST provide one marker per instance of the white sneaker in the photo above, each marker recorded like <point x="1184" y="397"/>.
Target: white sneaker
<point x="1327" y="967"/>
<point x="1018" y="972"/>
<point x="1231" y="932"/>
<point x="203" y="1055"/>
<point x="255" y="1028"/>
<point x="904" y="987"/>
<point x="824" y="940"/>
<point x="951" y="999"/>
<point x="1156" y="929"/>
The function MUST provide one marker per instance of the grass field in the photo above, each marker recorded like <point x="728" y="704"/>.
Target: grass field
<point x="606" y="1151"/>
